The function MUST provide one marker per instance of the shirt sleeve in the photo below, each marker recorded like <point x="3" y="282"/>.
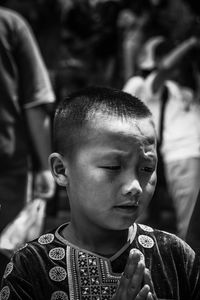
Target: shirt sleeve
<point x="34" y="82"/>
<point x="37" y="271"/>
<point x="133" y="85"/>
<point x="141" y="88"/>
<point x="193" y="270"/>
<point x="15" y="283"/>
<point x="188" y="264"/>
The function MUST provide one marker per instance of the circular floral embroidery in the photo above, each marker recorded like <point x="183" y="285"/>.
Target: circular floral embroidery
<point x="8" y="269"/>
<point x="59" y="295"/>
<point x="145" y="241"/>
<point x="135" y="250"/>
<point x="5" y="293"/>
<point x="146" y="228"/>
<point x="46" y="238"/>
<point x="57" y="253"/>
<point x="57" y="274"/>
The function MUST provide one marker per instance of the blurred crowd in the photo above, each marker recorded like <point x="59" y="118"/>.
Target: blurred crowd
<point x="102" y="38"/>
<point x="108" y="42"/>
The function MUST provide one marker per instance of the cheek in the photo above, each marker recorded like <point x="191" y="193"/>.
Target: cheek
<point x="153" y="179"/>
<point x="148" y="185"/>
<point x="151" y="185"/>
<point x="91" y="182"/>
<point x="148" y="191"/>
<point x="147" y="180"/>
<point x="100" y="178"/>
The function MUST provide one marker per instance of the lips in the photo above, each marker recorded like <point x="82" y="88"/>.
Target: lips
<point x="127" y="206"/>
<point x="133" y="204"/>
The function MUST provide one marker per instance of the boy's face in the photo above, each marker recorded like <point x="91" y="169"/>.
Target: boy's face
<point x="113" y="173"/>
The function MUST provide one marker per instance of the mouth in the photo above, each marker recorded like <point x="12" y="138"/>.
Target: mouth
<point x="129" y="204"/>
<point x="127" y="208"/>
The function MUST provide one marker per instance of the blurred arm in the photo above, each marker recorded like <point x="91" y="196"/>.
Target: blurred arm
<point x="39" y="127"/>
<point x="171" y="60"/>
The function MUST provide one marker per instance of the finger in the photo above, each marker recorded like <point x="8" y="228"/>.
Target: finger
<point x="135" y="256"/>
<point x="148" y="280"/>
<point x="136" y="281"/>
<point x="137" y="252"/>
<point x="143" y="293"/>
<point x="150" y="296"/>
<point x="132" y="268"/>
<point x="133" y="259"/>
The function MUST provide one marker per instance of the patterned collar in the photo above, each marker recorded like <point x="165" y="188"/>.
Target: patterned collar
<point x="131" y="236"/>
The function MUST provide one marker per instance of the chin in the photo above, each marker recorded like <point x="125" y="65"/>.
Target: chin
<point x="123" y="224"/>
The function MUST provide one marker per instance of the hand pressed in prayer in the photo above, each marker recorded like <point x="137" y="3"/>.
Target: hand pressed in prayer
<point x="136" y="282"/>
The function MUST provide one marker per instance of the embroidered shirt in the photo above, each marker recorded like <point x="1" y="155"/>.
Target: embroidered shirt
<point x="52" y="268"/>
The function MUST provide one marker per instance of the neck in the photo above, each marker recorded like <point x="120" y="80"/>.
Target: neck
<point x="97" y="240"/>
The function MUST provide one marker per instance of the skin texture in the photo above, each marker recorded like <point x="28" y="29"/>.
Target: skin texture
<point x="109" y="181"/>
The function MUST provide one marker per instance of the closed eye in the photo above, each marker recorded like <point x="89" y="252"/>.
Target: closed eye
<point x="148" y="169"/>
<point x="112" y="168"/>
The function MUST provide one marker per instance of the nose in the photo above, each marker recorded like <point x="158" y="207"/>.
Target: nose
<point x="132" y="188"/>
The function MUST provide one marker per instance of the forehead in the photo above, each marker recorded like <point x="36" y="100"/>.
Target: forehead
<point x="120" y="132"/>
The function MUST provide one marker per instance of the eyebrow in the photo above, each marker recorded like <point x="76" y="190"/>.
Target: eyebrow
<point x="146" y="140"/>
<point x="111" y="152"/>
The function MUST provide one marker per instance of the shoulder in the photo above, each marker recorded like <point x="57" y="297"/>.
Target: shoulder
<point x="40" y="252"/>
<point x="167" y="242"/>
<point x="13" y="28"/>
<point x="171" y="261"/>
<point x="133" y="83"/>
<point x="11" y="18"/>
<point x="161" y="236"/>
<point x="44" y="242"/>
<point x="39" y="263"/>
<point x="6" y="13"/>
<point x="142" y="87"/>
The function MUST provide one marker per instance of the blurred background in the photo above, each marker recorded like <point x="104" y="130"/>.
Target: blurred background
<point x="86" y="42"/>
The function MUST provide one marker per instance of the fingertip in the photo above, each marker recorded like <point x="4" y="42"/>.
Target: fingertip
<point x="149" y="296"/>
<point x="136" y="252"/>
<point x="144" y="292"/>
<point x="147" y="287"/>
<point x="136" y="255"/>
<point x="141" y="265"/>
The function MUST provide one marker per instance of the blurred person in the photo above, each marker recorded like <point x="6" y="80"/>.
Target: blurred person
<point x="141" y="20"/>
<point x="135" y="21"/>
<point x="89" y="36"/>
<point x="193" y="233"/>
<point x="25" y="112"/>
<point x="133" y="36"/>
<point x="167" y="68"/>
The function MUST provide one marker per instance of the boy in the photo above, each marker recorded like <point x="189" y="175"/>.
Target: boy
<point x="105" y="157"/>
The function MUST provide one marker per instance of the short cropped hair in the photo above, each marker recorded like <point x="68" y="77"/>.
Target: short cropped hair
<point x="80" y="107"/>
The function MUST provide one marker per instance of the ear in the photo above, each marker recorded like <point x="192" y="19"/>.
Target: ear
<point x="58" y="169"/>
